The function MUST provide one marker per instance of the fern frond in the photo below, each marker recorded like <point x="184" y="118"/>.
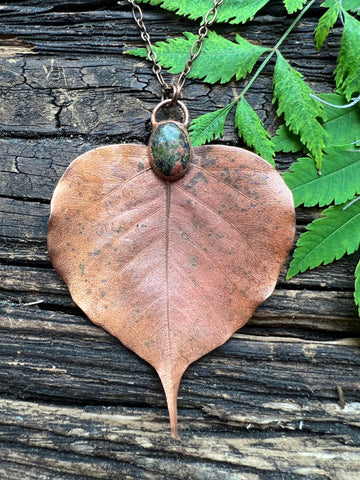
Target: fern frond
<point x="231" y="11"/>
<point x="220" y="59"/>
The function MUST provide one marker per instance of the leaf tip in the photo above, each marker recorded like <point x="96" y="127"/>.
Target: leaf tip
<point x="289" y="275"/>
<point x="292" y="270"/>
<point x="171" y="387"/>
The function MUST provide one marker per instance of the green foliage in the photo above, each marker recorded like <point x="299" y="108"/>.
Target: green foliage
<point x="347" y="76"/>
<point x="220" y="59"/>
<point x="342" y="126"/>
<point x="357" y="286"/>
<point x="338" y="183"/>
<point x="286" y="141"/>
<point x="326" y="23"/>
<point x="251" y="128"/>
<point x="328" y="238"/>
<point x="209" y="126"/>
<point x="231" y="11"/>
<point x="293" y="5"/>
<point x="301" y="112"/>
<point x="349" y="5"/>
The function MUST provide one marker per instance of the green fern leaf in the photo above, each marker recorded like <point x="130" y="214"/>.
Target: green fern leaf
<point x="326" y="23"/>
<point x="209" y="126"/>
<point x="357" y="286"/>
<point x="294" y="5"/>
<point x="338" y="182"/>
<point x="301" y="112"/>
<point x="328" y="238"/>
<point x="349" y="5"/>
<point x="231" y="11"/>
<point x="347" y="73"/>
<point x="342" y="126"/>
<point x="220" y="59"/>
<point x="286" y="141"/>
<point x="251" y="129"/>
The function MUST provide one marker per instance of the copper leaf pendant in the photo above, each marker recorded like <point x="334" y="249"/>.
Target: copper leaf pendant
<point x="171" y="268"/>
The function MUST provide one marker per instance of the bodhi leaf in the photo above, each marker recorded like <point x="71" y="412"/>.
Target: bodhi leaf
<point x="357" y="286"/>
<point x="231" y="11"/>
<point x="172" y="269"/>
<point x="338" y="182"/>
<point x="326" y="23"/>
<point x="301" y="112"/>
<point x="220" y="59"/>
<point x="328" y="238"/>
<point x="251" y="128"/>
<point x="347" y="72"/>
<point x="209" y="126"/>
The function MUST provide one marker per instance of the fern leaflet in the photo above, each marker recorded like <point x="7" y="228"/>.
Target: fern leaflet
<point x="301" y="112"/>
<point x="294" y="5"/>
<point x="209" y="126"/>
<point x="325" y="24"/>
<point x="328" y="238"/>
<point x="347" y="73"/>
<point x="338" y="182"/>
<point x="251" y="128"/>
<point x="357" y="286"/>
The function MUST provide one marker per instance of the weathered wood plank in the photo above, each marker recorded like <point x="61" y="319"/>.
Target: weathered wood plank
<point x="132" y="443"/>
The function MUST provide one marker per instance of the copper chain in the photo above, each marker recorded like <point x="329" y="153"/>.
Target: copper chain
<point x="173" y="91"/>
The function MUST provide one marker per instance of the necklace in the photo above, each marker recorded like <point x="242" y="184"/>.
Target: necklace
<point x="167" y="247"/>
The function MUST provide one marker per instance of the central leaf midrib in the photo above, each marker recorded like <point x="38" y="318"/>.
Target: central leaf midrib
<point x="167" y="240"/>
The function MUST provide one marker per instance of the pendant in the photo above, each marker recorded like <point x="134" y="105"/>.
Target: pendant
<point x="169" y="145"/>
<point x="170" y="248"/>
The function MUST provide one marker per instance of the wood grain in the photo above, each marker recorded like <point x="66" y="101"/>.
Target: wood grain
<point x="280" y="400"/>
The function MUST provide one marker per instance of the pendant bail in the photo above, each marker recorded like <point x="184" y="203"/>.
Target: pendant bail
<point x="172" y="92"/>
<point x="167" y="103"/>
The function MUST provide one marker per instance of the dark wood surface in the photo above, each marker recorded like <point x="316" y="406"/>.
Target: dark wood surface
<point x="281" y="400"/>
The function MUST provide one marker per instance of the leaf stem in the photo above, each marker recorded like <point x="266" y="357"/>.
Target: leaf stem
<point x="274" y="49"/>
<point x="353" y="102"/>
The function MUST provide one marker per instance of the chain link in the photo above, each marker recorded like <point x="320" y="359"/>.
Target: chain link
<point x="173" y="91"/>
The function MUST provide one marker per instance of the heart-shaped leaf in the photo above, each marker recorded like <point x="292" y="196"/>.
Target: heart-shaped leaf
<point x="171" y="269"/>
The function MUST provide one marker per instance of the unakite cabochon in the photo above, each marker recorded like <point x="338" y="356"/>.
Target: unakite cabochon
<point x="170" y="150"/>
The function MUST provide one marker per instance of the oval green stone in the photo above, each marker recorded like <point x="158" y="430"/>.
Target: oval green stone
<point x="170" y="151"/>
